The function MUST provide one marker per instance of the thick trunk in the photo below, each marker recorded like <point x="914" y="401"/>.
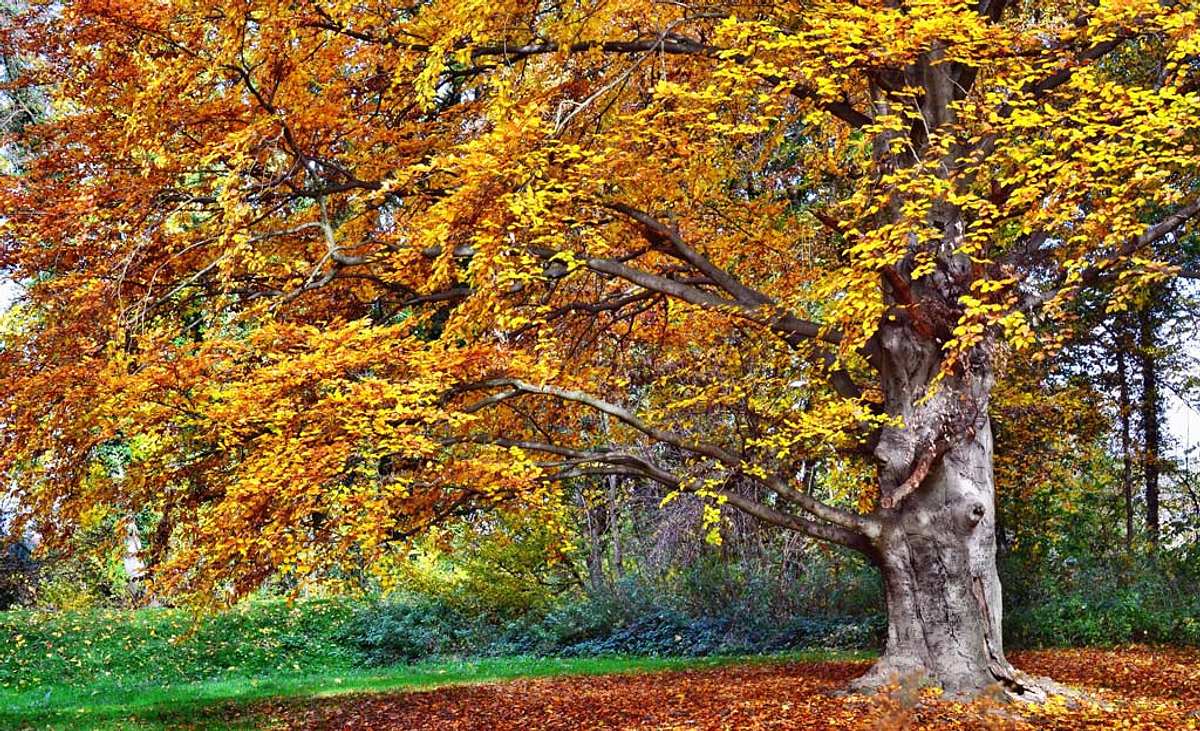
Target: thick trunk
<point x="937" y="546"/>
<point x="938" y="558"/>
<point x="936" y="543"/>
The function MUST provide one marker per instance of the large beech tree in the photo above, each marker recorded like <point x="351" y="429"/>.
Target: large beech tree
<point x="321" y="274"/>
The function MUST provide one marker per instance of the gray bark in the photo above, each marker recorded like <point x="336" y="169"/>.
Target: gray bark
<point x="938" y="559"/>
<point x="937" y="546"/>
<point x="1151" y="412"/>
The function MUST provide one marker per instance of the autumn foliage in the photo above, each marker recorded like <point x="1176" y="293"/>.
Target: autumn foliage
<point x="306" y="278"/>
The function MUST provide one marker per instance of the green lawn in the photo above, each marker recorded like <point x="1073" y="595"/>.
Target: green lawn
<point x="105" y="705"/>
<point x="164" y="668"/>
<point x="219" y="704"/>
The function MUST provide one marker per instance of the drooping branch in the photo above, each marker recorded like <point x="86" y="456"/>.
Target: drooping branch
<point x="631" y="465"/>
<point x="825" y="531"/>
<point x="794" y="330"/>
<point x="1038" y="89"/>
<point x="515" y="387"/>
<point x="858" y="523"/>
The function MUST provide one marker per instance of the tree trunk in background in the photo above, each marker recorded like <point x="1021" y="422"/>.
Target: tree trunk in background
<point x="614" y="528"/>
<point x="1151" y="412"/>
<point x="135" y="567"/>
<point x="594" y="515"/>
<point x="1126" y="445"/>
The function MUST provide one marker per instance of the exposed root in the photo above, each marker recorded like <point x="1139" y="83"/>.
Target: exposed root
<point x="906" y="678"/>
<point x="889" y="673"/>
<point x="1026" y="688"/>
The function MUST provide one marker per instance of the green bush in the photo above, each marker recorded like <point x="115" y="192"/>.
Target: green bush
<point x="1101" y="602"/>
<point x="635" y="622"/>
<point x="403" y="630"/>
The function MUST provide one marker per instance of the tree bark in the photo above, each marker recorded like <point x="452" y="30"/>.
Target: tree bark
<point x="1126" y="445"/>
<point x="937" y="547"/>
<point x="1151" y="411"/>
<point x="938" y="559"/>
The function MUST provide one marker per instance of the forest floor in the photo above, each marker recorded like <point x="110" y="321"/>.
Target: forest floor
<point x="1135" y="688"/>
<point x="1132" y="688"/>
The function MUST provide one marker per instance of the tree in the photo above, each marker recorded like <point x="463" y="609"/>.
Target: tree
<point x="335" y="272"/>
<point x="1152" y="409"/>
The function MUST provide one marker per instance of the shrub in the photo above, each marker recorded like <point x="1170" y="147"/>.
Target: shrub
<point x="1096" y="602"/>
<point x="405" y="629"/>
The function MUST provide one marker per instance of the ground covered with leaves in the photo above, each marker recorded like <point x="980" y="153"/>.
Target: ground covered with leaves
<point x="1135" y="688"/>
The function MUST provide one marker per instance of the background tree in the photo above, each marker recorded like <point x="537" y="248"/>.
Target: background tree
<point x="335" y="272"/>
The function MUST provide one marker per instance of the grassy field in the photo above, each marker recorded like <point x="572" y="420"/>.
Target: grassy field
<point x="165" y="668"/>
<point x="215" y="704"/>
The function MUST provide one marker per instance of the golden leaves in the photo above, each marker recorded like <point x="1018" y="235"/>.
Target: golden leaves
<point x="1135" y="687"/>
<point x="274" y="244"/>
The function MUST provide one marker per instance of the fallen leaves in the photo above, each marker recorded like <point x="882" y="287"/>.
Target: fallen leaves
<point x="1133" y="688"/>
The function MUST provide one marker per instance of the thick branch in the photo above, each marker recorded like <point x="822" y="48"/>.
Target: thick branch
<point x="851" y="521"/>
<point x="659" y="230"/>
<point x="752" y="304"/>
<point x="834" y="533"/>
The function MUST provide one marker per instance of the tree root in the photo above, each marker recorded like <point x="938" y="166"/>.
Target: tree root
<point x="906" y="678"/>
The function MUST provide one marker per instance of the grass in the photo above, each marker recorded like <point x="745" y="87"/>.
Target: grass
<point x="221" y="704"/>
<point x="167" y="668"/>
<point x="49" y="650"/>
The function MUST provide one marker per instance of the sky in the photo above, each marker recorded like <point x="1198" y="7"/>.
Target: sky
<point x="8" y="291"/>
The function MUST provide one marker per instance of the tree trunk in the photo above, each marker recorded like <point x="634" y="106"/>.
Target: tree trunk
<point x="135" y="567"/>
<point x="1151" y="410"/>
<point x="937" y="547"/>
<point x="938" y="559"/>
<point x="614" y="529"/>
<point x="597" y="582"/>
<point x="1126" y="446"/>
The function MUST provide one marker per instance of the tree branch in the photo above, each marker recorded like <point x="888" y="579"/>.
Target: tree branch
<point x="659" y="231"/>
<point x="507" y="54"/>
<point x="1093" y="274"/>
<point x="623" y="415"/>
<point x="829" y="532"/>
<point x="850" y="521"/>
